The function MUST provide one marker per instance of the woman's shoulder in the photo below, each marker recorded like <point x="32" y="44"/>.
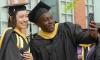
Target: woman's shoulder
<point x="6" y="33"/>
<point x="6" y="29"/>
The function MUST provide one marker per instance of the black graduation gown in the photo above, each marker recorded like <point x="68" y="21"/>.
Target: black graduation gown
<point x="63" y="46"/>
<point x="95" y="55"/>
<point x="9" y="49"/>
<point x="97" y="51"/>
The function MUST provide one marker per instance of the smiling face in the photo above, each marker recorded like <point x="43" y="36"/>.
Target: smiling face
<point x="46" y="22"/>
<point x="21" y="19"/>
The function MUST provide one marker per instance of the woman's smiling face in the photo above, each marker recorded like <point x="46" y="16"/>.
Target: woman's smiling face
<point x="22" y="19"/>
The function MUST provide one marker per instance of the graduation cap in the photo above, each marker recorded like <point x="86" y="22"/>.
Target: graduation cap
<point x="39" y="9"/>
<point x="15" y="7"/>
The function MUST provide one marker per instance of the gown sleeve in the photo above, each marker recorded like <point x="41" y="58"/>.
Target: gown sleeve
<point x="77" y="34"/>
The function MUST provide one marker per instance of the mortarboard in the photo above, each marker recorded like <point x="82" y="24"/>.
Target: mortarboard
<point x="38" y="10"/>
<point x="15" y="7"/>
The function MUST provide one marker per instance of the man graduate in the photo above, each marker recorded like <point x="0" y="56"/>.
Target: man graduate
<point x="57" y="41"/>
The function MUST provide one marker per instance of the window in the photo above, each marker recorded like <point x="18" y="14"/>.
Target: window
<point x="0" y="27"/>
<point x="89" y="8"/>
<point x="68" y="15"/>
<point x="3" y="25"/>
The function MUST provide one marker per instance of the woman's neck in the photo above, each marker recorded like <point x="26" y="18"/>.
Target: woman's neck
<point x="21" y="30"/>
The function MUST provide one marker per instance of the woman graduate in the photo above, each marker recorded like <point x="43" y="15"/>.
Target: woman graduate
<point x="14" y="43"/>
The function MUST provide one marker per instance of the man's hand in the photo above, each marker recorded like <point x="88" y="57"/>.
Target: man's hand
<point x="93" y="30"/>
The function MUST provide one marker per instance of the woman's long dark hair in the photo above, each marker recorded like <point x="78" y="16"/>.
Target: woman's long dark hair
<point x="12" y="21"/>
